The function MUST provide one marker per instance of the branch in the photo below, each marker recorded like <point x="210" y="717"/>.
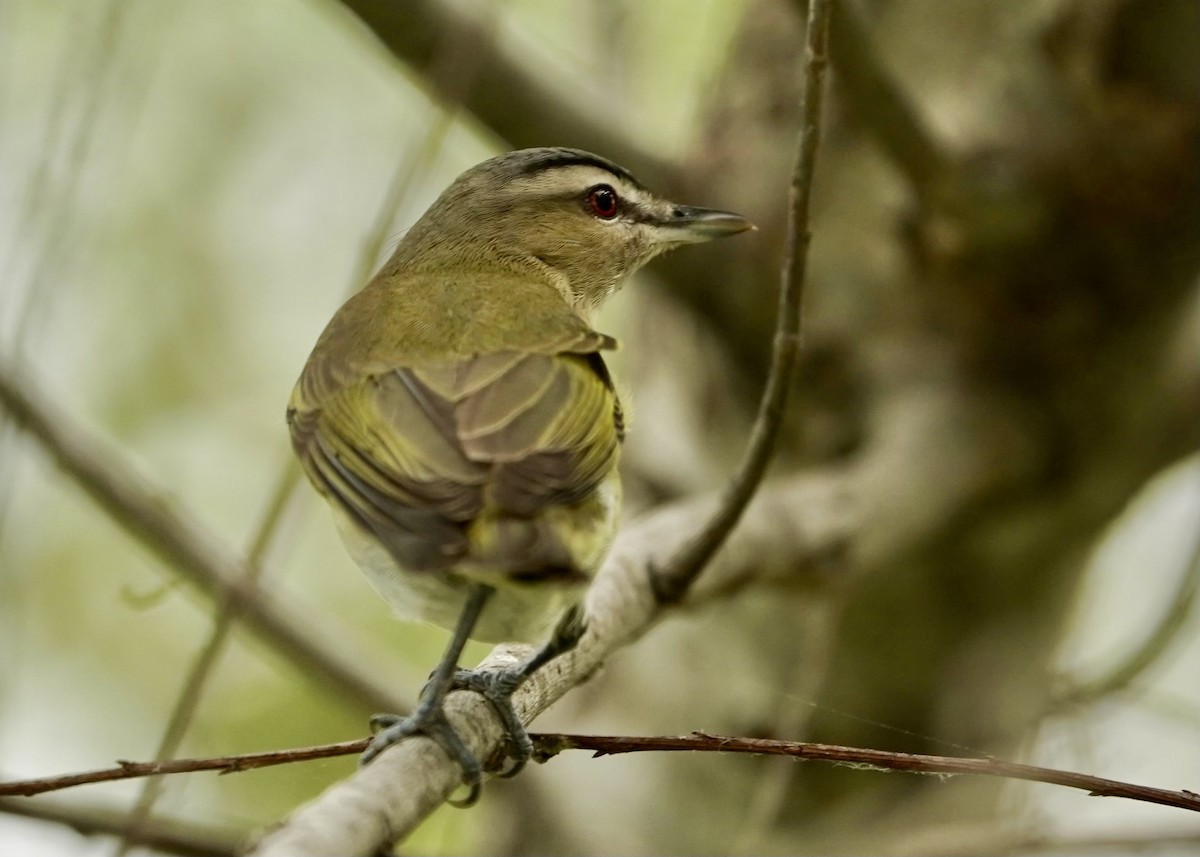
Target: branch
<point x="548" y="746"/>
<point x="515" y="102"/>
<point x="223" y="764"/>
<point x="205" y="662"/>
<point x="798" y="530"/>
<point x="878" y="102"/>
<point x="883" y="760"/>
<point x="671" y="583"/>
<point x="1165" y="632"/>
<point x="972" y="840"/>
<point x="173" y="837"/>
<point x="145" y="511"/>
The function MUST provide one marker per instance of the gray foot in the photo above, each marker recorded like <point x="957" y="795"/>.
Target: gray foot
<point x="391" y="729"/>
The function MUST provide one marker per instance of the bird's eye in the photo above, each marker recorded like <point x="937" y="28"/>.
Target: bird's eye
<point x="602" y="200"/>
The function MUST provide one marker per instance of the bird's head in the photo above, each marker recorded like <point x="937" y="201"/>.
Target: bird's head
<point x="582" y="222"/>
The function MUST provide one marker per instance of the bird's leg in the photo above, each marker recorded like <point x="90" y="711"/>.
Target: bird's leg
<point x="498" y="686"/>
<point x="429" y="718"/>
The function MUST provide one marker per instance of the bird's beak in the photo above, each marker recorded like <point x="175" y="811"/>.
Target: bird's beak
<point x="689" y="225"/>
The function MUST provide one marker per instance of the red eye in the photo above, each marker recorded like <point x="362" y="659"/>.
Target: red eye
<point x="602" y="200"/>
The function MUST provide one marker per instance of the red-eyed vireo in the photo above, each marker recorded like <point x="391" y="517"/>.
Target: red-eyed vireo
<point x="458" y="417"/>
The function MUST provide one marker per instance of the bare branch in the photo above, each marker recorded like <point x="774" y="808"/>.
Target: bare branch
<point x="672" y="582"/>
<point x="224" y="764"/>
<point x="548" y="746"/>
<point x="514" y="102"/>
<point x="145" y="511"/>
<point x="883" y="760"/>
<point x="974" y="840"/>
<point x="169" y="837"/>
<point x="797" y="529"/>
<point x="877" y="101"/>
<point x="797" y="532"/>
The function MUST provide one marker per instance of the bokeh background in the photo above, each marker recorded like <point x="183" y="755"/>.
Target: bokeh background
<point x="1002" y="366"/>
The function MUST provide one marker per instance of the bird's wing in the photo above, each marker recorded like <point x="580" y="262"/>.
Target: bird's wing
<point x="420" y="455"/>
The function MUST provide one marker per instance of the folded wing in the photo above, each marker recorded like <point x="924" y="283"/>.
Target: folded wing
<point x="495" y="459"/>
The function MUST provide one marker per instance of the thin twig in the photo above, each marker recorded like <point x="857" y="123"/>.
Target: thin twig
<point x="224" y="764"/>
<point x="205" y="662"/>
<point x="884" y="760"/>
<point x="673" y="581"/>
<point x="549" y="745"/>
<point x="144" y="510"/>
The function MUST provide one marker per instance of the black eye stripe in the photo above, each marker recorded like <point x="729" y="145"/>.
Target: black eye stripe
<point x="539" y="160"/>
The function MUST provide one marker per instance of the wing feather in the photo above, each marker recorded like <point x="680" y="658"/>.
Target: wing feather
<point x="464" y="458"/>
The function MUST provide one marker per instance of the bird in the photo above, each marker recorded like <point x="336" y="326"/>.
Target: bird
<point x="458" y="417"/>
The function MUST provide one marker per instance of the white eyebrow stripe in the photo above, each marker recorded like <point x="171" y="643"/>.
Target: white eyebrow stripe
<point x="639" y="204"/>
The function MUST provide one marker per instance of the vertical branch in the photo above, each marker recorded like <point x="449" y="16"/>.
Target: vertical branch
<point x="672" y="583"/>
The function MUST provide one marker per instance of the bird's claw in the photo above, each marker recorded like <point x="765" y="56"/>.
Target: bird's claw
<point x="391" y="729"/>
<point x="497" y="687"/>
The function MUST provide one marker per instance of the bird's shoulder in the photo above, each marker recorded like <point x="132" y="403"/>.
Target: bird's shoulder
<point x="471" y="355"/>
<point x="437" y="319"/>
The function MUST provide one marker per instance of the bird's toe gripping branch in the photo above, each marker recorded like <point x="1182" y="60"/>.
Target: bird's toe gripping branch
<point x="496" y="686"/>
<point x="391" y="729"/>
